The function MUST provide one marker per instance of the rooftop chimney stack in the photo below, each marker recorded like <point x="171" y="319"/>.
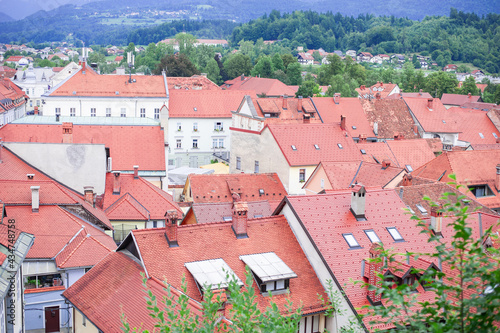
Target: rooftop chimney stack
<point x="171" y="228"/>
<point x="285" y="102"/>
<point x="116" y="182"/>
<point x="358" y="200"/>
<point x="242" y="77"/>
<point x="407" y="180"/>
<point x="299" y="104"/>
<point x="89" y="194"/>
<point x="420" y="92"/>
<point x="386" y="164"/>
<point x="35" y="198"/>
<point x="240" y="219"/>
<point x="136" y="172"/>
<point x="307" y="119"/>
<point x="362" y="138"/>
<point x="469" y="95"/>
<point x="374" y="273"/>
<point x="436" y="220"/>
<point x="378" y="96"/>
<point x="342" y="123"/>
<point x="67" y="129"/>
<point x="497" y="179"/>
<point x="429" y="102"/>
<point x="336" y="98"/>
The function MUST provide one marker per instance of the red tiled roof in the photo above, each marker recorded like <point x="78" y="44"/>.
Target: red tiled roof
<point x="474" y="123"/>
<point x="205" y="104"/>
<point x="384" y="89"/>
<point x="455" y="99"/>
<point x="118" y="58"/>
<point x="479" y="106"/>
<point x="53" y="228"/>
<point x="288" y="115"/>
<point x="138" y="200"/>
<point x="305" y="136"/>
<point x="14" y="168"/>
<point x="11" y="95"/>
<point x="479" y="146"/>
<point x="14" y="58"/>
<point x="215" y="212"/>
<point x="93" y="84"/>
<point x="356" y="120"/>
<point x="342" y="174"/>
<point x="128" y="145"/>
<point x="269" y="87"/>
<point x="271" y="234"/>
<point x="409" y="94"/>
<point x="434" y="119"/>
<point x="306" y="56"/>
<point x="195" y="82"/>
<point x="219" y="188"/>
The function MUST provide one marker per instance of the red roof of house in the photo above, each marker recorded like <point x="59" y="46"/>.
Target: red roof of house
<point x="479" y="106"/>
<point x="435" y="118"/>
<point x="205" y="104"/>
<point x="356" y="120"/>
<point x="86" y="82"/>
<point x="456" y="99"/>
<point x="11" y="95"/>
<point x="290" y="114"/>
<point x="409" y="94"/>
<point x="118" y="58"/>
<point x="8" y="72"/>
<point x="342" y="175"/>
<point x="269" y="234"/>
<point x="384" y="89"/>
<point x="269" y="87"/>
<point x="138" y="200"/>
<point x="474" y="126"/>
<point x="450" y="66"/>
<point x="304" y="137"/>
<point x="471" y="167"/>
<point x="54" y="227"/>
<point x="195" y="82"/>
<point x="14" y="58"/>
<point x="219" y="188"/>
<point x="327" y="217"/>
<point x="306" y="56"/>
<point x="128" y="145"/>
<point x="415" y="152"/>
<point x="215" y="212"/>
<point x="14" y="168"/>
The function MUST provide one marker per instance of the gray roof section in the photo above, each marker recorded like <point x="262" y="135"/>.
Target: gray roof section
<point x="211" y="273"/>
<point x="268" y="266"/>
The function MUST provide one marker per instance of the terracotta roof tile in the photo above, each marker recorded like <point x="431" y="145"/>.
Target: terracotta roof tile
<point x="128" y="145"/>
<point x="435" y="118"/>
<point x="384" y="89"/>
<point x="455" y="99"/>
<point x="285" y="115"/>
<point x="474" y="126"/>
<point x="392" y="117"/>
<point x="215" y="212"/>
<point x="269" y="87"/>
<point x="303" y="137"/>
<point x="195" y="82"/>
<point x="219" y="188"/>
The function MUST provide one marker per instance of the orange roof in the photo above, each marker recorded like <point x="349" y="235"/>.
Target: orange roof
<point x="195" y="82"/>
<point x="384" y="89"/>
<point x="219" y="188"/>
<point x="269" y="87"/>
<point x="205" y="104"/>
<point x="474" y="125"/>
<point x="455" y="99"/>
<point x="290" y="114"/>
<point x="138" y="199"/>
<point x="14" y="168"/>
<point x="350" y="107"/>
<point x="118" y="58"/>
<point x="432" y="115"/>
<point x="128" y="145"/>
<point x="304" y="137"/>
<point x="86" y="82"/>
<point x="11" y="95"/>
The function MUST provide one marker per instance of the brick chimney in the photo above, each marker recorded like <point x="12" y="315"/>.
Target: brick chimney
<point x="36" y="110"/>
<point x="469" y="95"/>
<point x="299" y="104"/>
<point x="171" y="228"/>
<point x="342" y="123"/>
<point x="35" y="198"/>
<point x="420" y="92"/>
<point x="116" y="182"/>
<point x="306" y="118"/>
<point x="429" y="102"/>
<point x="336" y="98"/>
<point x="407" y="180"/>
<point x="436" y="220"/>
<point x="285" y="102"/>
<point x="378" y="96"/>
<point x="89" y="194"/>
<point x="398" y="136"/>
<point x="386" y="164"/>
<point x="67" y="131"/>
<point x="240" y="219"/>
<point x="136" y="172"/>
<point x="375" y="266"/>
<point x="358" y="200"/>
<point x="382" y="83"/>
<point x="362" y="138"/>
<point x="497" y="178"/>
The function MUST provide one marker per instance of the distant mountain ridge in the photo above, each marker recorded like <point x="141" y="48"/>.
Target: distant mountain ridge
<point x="5" y="18"/>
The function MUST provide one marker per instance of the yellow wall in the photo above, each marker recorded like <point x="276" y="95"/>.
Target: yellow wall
<point x="314" y="182"/>
<point x="78" y="324"/>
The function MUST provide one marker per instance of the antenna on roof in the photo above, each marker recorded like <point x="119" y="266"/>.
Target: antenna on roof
<point x="130" y="61"/>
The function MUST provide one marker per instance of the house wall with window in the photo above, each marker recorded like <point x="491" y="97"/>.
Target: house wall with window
<point x="193" y="141"/>
<point x="297" y="178"/>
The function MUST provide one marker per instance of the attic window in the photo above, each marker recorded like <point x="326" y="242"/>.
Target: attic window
<point x="340" y="146"/>
<point x="213" y="274"/>
<point x="363" y="151"/>
<point x="195" y="109"/>
<point x="351" y="241"/>
<point x="316" y="146"/>
<point x="422" y="209"/>
<point x="481" y="135"/>
<point x="354" y="127"/>
<point x="227" y="218"/>
<point x="409" y="168"/>
<point x="261" y="191"/>
<point x="495" y="135"/>
<point x="117" y="93"/>
<point x="372" y="236"/>
<point x="395" y="234"/>
<point x="294" y="148"/>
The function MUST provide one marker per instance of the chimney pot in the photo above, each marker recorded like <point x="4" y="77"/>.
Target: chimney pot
<point x="358" y="200"/>
<point x="89" y="194"/>
<point x="35" y="198"/>
<point x="299" y="104"/>
<point x="240" y="219"/>
<point x="171" y="228"/>
<point x="285" y="102"/>
<point x="436" y="220"/>
<point x="429" y="102"/>
<point x="116" y="182"/>
<point x="342" y="123"/>
<point x="136" y="172"/>
<point x="386" y="164"/>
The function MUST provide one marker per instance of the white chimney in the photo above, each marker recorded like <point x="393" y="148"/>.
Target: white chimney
<point x="35" y="198"/>
<point x="358" y="199"/>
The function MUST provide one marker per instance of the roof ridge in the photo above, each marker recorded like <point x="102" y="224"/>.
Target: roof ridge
<point x="123" y="199"/>
<point x="74" y="250"/>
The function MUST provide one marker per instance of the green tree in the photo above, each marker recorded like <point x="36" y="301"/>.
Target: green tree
<point x="466" y="290"/>
<point x="277" y="62"/>
<point x="288" y="59"/>
<point x="317" y="57"/>
<point x="469" y="87"/>
<point x="438" y="83"/>
<point x="263" y="68"/>
<point x="238" y="64"/>
<point x="186" y="42"/>
<point x="308" y="89"/>
<point x="294" y="73"/>
<point x="176" y="65"/>
<point x="213" y="71"/>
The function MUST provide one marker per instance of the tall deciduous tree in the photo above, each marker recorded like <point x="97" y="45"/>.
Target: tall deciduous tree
<point x="176" y="65"/>
<point x="439" y="83"/>
<point x="263" y="68"/>
<point x="469" y="87"/>
<point x="238" y="64"/>
<point x="294" y="73"/>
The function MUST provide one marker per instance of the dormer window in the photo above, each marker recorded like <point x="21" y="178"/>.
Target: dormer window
<point x="351" y="241"/>
<point x="270" y="272"/>
<point x="212" y="273"/>
<point x="481" y="191"/>
<point x="421" y="208"/>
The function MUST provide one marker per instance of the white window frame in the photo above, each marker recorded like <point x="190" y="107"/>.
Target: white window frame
<point x="142" y="113"/>
<point x="72" y="112"/>
<point x="108" y="112"/>
<point x="178" y="143"/>
<point x="157" y="113"/>
<point x="93" y="112"/>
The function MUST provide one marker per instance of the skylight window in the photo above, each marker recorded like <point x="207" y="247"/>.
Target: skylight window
<point x="195" y="109"/>
<point x="316" y="146"/>
<point x="213" y="273"/>
<point x="340" y="146"/>
<point x="372" y="236"/>
<point x="351" y="241"/>
<point x="495" y="135"/>
<point x="444" y="122"/>
<point x="395" y="234"/>
<point x="354" y="127"/>
<point x="294" y="148"/>
<point x="227" y="218"/>
<point x="363" y="151"/>
<point x="422" y="209"/>
<point x="481" y="135"/>
<point x="409" y="168"/>
<point x="261" y="191"/>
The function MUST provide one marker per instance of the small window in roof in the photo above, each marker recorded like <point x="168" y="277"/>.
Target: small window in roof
<point x="481" y="135"/>
<point x="227" y="218"/>
<point x="495" y="135"/>
<point x="409" y="168"/>
<point x="444" y="122"/>
<point x="340" y="146"/>
<point x="294" y="148"/>
<point x="354" y="127"/>
<point x="395" y="234"/>
<point x="268" y="267"/>
<point x="422" y="209"/>
<point x="316" y="146"/>
<point x="363" y="151"/>
<point x="261" y="191"/>
<point x="372" y="236"/>
<point x="259" y="215"/>
<point x="351" y="241"/>
<point x="213" y="273"/>
<point x="195" y="109"/>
